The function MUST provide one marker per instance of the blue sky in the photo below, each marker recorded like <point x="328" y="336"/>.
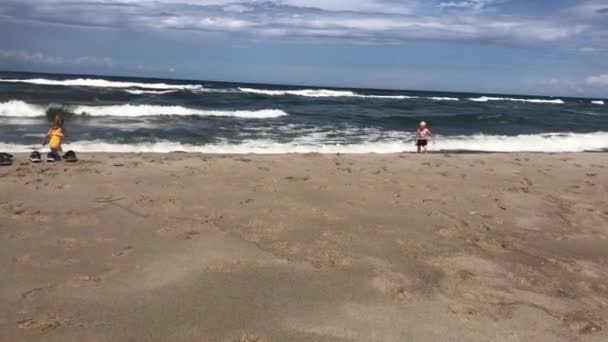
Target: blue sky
<point x="557" y="47"/>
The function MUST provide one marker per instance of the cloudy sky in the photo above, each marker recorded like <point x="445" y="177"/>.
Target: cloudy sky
<point x="555" y="47"/>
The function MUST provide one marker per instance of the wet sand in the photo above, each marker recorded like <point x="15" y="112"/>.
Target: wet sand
<point x="187" y="247"/>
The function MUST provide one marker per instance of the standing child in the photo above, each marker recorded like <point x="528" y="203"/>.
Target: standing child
<point x="422" y="135"/>
<point x="54" y="137"/>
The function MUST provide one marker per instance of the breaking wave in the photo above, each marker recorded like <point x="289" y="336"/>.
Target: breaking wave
<point x="20" y="109"/>
<point x="320" y="93"/>
<point x="487" y="98"/>
<point x="15" y="108"/>
<point x="101" y="83"/>
<point x="337" y="93"/>
<point x="152" y="92"/>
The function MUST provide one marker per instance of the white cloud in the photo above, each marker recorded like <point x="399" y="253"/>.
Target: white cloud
<point x="361" y="20"/>
<point x="597" y="80"/>
<point x="40" y="58"/>
<point x="471" y="4"/>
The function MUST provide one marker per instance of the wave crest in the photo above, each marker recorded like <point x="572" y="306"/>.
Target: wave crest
<point x="152" y="92"/>
<point x="20" y="109"/>
<point x="320" y="93"/>
<point x="16" y="108"/>
<point x="151" y="110"/>
<point x="101" y="83"/>
<point x="487" y="98"/>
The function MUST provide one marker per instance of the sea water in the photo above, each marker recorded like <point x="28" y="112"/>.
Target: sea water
<point x="118" y="114"/>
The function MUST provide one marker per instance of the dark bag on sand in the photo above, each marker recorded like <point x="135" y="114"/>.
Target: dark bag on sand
<point x="6" y="159"/>
<point x="52" y="157"/>
<point x="70" y="157"/>
<point x="35" y="157"/>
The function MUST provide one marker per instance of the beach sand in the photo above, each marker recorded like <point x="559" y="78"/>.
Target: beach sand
<point x="188" y="247"/>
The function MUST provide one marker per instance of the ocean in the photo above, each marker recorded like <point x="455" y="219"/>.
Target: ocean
<point x="118" y="114"/>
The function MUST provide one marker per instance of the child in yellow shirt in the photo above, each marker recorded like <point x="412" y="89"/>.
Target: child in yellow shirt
<point x="55" y="136"/>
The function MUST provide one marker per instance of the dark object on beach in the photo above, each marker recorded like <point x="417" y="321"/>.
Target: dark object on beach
<point x="70" y="157"/>
<point x="6" y="159"/>
<point x="52" y="157"/>
<point x="35" y="157"/>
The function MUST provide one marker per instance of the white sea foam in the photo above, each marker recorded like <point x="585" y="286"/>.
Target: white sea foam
<point x="598" y="102"/>
<point x="553" y="142"/>
<point x="18" y="109"/>
<point x="487" y="98"/>
<point x="150" y="110"/>
<point x="320" y="93"/>
<point x="101" y="83"/>
<point x="337" y="93"/>
<point x="152" y="92"/>
<point x="549" y="142"/>
<point x="444" y="98"/>
<point x="15" y="108"/>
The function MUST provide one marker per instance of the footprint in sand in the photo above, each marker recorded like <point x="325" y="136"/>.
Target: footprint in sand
<point x="33" y="293"/>
<point x="85" y="280"/>
<point x="583" y="326"/>
<point x="123" y="251"/>
<point x="188" y="235"/>
<point x="526" y="182"/>
<point x="500" y="204"/>
<point x="393" y="285"/>
<point x="297" y="179"/>
<point x="147" y="201"/>
<point x="45" y="323"/>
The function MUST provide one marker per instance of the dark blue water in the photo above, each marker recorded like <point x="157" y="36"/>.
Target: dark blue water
<point x="135" y="114"/>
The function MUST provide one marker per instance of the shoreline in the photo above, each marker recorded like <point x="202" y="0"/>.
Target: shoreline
<point x="25" y="155"/>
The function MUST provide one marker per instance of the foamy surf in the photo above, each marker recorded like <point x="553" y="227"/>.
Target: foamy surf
<point x="320" y="93"/>
<point x="597" y="102"/>
<point x="443" y="98"/>
<point x="101" y="83"/>
<point x="20" y="109"/>
<point x="151" y="92"/>
<point x="488" y="98"/>
<point x="548" y="143"/>
<point x="338" y="93"/>
<point x="150" y="110"/>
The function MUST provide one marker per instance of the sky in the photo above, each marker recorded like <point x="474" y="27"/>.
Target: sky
<point x="556" y="47"/>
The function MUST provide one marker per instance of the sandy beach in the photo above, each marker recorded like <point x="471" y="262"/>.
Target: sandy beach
<point x="189" y="247"/>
